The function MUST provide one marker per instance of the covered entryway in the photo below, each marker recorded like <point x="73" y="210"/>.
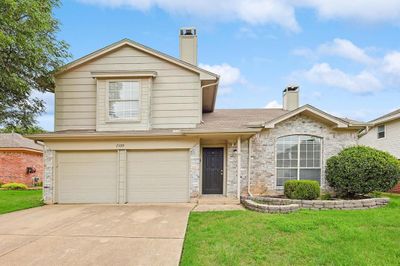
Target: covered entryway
<point x="158" y="176"/>
<point x="87" y="177"/>
<point x="213" y="171"/>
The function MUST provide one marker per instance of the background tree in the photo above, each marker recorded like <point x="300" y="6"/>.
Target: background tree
<point x="29" y="53"/>
<point x="23" y="130"/>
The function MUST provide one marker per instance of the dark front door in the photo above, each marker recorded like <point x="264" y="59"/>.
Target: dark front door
<point x="213" y="170"/>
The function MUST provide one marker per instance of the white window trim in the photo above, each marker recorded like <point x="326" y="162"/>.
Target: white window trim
<point x="122" y="120"/>
<point x="384" y="131"/>
<point x="298" y="160"/>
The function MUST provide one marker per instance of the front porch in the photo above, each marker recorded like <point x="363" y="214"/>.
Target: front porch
<point x="218" y="164"/>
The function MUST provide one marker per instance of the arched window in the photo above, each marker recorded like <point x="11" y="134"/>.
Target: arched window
<point x="299" y="158"/>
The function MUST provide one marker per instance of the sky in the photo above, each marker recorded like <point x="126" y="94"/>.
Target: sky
<point x="344" y="55"/>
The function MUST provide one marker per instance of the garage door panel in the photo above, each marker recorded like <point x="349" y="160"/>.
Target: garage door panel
<point x="158" y="176"/>
<point x="87" y="177"/>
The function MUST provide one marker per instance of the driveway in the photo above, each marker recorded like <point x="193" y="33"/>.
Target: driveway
<point x="94" y="235"/>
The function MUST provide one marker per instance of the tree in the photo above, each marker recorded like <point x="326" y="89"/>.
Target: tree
<point x="23" y="130"/>
<point x="361" y="170"/>
<point x="29" y="54"/>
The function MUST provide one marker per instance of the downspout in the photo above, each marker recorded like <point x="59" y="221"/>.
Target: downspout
<point x="249" y="169"/>
<point x="239" y="166"/>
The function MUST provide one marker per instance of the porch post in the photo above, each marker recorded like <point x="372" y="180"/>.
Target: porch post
<point x="239" y="157"/>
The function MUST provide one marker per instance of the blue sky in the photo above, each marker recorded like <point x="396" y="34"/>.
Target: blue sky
<point x="345" y="56"/>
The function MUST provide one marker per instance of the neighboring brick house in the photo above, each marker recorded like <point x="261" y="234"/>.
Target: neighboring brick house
<point x="21" y="160"/>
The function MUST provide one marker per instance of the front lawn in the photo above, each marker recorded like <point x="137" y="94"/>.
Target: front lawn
<point x="14" y="200"/>
<point x="334" y="237"/>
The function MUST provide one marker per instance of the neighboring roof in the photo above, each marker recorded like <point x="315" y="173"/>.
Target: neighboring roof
<point x="16" y="141"/>
<point x="204" y="74"/>
<point x="386" y="118"/>
<point x="315" y="112"/>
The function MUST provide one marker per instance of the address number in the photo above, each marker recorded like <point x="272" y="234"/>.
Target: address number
<point x="120" y="145"/>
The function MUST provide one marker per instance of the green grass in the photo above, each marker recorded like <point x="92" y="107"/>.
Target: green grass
<point x="333" y="237"/>
<point x="13" y="200"/>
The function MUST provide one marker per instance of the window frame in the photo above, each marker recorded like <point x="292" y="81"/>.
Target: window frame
<point x="298" y="168"/>
<point x="107" y="105"/>
<point x="384" y="131"/>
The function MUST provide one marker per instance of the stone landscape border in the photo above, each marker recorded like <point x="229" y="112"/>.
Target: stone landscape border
<point x="278" y="205"/>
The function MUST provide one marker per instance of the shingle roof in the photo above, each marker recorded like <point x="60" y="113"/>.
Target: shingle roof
<point x="238" y="118"/>
<point x="383" y="118"/>
<point x="14" y="140"/>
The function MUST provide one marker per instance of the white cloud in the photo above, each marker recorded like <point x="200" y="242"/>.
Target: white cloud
<point x="229" y="77"/>
<point x="371" y="11"/>
<point x="337" y="47"/>
<point x="346" y="49"/>
<point x="259" y="12"/>
<point x="273" y="104"/>
<point x="324" y="74"/>
<point x="391" y="63"/>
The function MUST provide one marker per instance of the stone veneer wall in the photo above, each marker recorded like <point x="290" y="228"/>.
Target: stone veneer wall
<point x="231" y="165"/>
<point x="263" y="180"/>
<point x="48" y="182"/>
<point x="195" y="171"/>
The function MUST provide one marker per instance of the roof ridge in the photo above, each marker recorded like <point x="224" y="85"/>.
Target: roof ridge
<point x="387" y="115"/>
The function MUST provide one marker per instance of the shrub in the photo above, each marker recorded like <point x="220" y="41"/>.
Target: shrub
<point x="360" y="170"/>
<point x="302" y="189"/>
<point x="14" y="186"/>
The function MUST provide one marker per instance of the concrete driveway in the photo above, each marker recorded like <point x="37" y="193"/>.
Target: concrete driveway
<point x="94" y="235"/>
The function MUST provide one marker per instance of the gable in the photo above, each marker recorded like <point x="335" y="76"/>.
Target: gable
<point x="316" y="115"/>
<point x="204" y="74"/>
<point x="175" y="91"/>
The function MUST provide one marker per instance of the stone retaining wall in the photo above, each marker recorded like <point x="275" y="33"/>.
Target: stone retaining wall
<point x="252" y="205"/>
<point x="265" y="204"/>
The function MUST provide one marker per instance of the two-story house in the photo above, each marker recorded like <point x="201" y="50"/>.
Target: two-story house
<point x="383" y="133"/>
<point x="135" y="125"/>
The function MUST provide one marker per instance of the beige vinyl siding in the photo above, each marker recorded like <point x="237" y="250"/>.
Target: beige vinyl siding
<point x="391" y="141"/>
<point x="173" y="89"/>
<point x="158" y="176"/>
<point x="87" y="177"/>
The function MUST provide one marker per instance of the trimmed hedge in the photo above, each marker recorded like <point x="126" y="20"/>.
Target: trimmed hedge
<point x="302" y="189"/>
<point x="14" y="186"/>
<point x="359" y="170"/>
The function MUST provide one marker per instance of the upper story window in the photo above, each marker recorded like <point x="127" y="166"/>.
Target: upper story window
<point x="299" y="158"/>
<point x="123" y="100"/>
<point x="381" y="131"/>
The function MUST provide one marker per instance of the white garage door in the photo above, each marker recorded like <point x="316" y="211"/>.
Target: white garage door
<point x="87" y="177"/>
<point x="158" y="176"/>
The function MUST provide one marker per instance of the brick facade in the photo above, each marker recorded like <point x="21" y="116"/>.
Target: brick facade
<point x="13" y="166"/>
<point x="396" y="189"/>
<point x="263" y="178"/>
